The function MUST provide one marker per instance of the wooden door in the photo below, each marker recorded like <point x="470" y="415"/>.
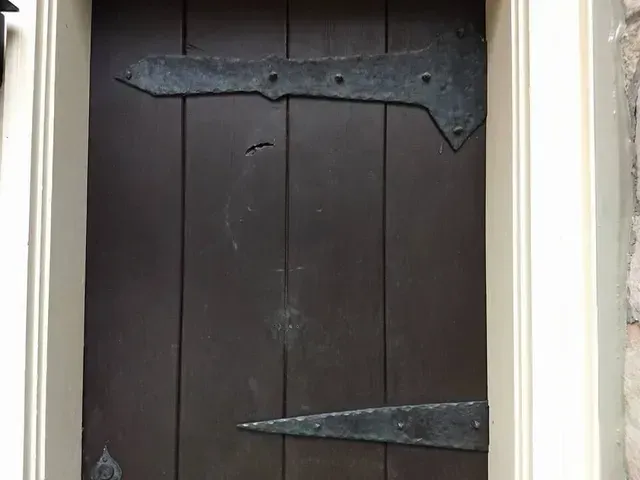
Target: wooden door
<point x="251" y="259"/>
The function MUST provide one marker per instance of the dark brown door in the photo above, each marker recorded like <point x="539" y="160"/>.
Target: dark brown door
<point x="251" y="259"/>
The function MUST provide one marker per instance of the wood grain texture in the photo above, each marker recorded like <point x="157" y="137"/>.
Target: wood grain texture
<point x="436" y="328"/>
<point x="133" y="246"/>
<point x="232" y="369"/>
<point x="335" y="358"/>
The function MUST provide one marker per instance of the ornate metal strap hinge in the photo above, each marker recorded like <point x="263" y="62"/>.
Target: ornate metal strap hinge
<point x="460" y="426"/>
<point x="447" y="78"/>
<point x="106" y="468"/>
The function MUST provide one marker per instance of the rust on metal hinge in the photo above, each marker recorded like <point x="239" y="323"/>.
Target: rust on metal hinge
<point x="460" y="426"/>
<point x="447" y="78"/>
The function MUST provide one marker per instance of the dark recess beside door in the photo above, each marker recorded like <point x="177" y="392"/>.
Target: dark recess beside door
<point x="252" y="259"/>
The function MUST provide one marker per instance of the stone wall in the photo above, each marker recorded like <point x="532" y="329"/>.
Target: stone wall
<point x="631" y="61"/>
<point x="632" y="392"/>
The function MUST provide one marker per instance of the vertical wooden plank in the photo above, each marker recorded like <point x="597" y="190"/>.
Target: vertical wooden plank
<point x="133" y="246"/>
<point x="232" y="368"/>
<point x="336" y="352"/>
<point x="435" y="256"/>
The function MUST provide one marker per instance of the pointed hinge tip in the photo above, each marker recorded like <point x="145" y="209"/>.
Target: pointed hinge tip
<point x="460" y="426"/>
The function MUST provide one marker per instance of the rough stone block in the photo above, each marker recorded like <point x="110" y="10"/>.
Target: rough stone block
<point x="632" y="402"/>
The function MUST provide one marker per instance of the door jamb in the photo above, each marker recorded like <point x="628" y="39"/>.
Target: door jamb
<point x="557" y="235"/>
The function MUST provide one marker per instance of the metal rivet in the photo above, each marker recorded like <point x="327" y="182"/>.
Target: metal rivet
<point x="400" y="425"/>
<point x="128" y="75"/>
<point x="460" y="32"/>
<point x="339" y="78"/>
<point x="273" y="76"/>
<point x="476" y="424"/>
<point x="458" y="130"/>
<point x="316" y="426"/>
<point x="106" y="472"/>
<point x="426" y="77"/>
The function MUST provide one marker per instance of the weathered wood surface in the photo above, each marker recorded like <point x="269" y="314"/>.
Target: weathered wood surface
<point x="251" y="259"/>
<point x="232" y="357"/>
<point x="436" y="348"/>
<point x="134" y="247"/>
<point x="336" y="157"/>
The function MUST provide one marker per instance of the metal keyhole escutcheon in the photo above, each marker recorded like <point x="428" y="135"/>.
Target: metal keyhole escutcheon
<point x="106" y="468"/>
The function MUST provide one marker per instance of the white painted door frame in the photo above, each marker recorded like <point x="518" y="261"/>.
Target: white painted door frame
<point x="559" y="199"/>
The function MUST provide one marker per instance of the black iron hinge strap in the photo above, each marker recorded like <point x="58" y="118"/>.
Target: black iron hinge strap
<point x="447" y="78"/>
<point x="461" y="426"/>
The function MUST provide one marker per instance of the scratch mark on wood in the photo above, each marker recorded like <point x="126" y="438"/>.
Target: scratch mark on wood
<point x="227" y="224"/>
<point x="191" y="46"/>
<point x="296" y="269"/>
<point x="253" y="149"/>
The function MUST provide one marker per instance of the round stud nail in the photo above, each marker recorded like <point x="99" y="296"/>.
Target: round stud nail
<point x="339" y="78"/>
<point x="106" y="472"/>
<point x="426" y="77"/>
<point x="273" y="76"/>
